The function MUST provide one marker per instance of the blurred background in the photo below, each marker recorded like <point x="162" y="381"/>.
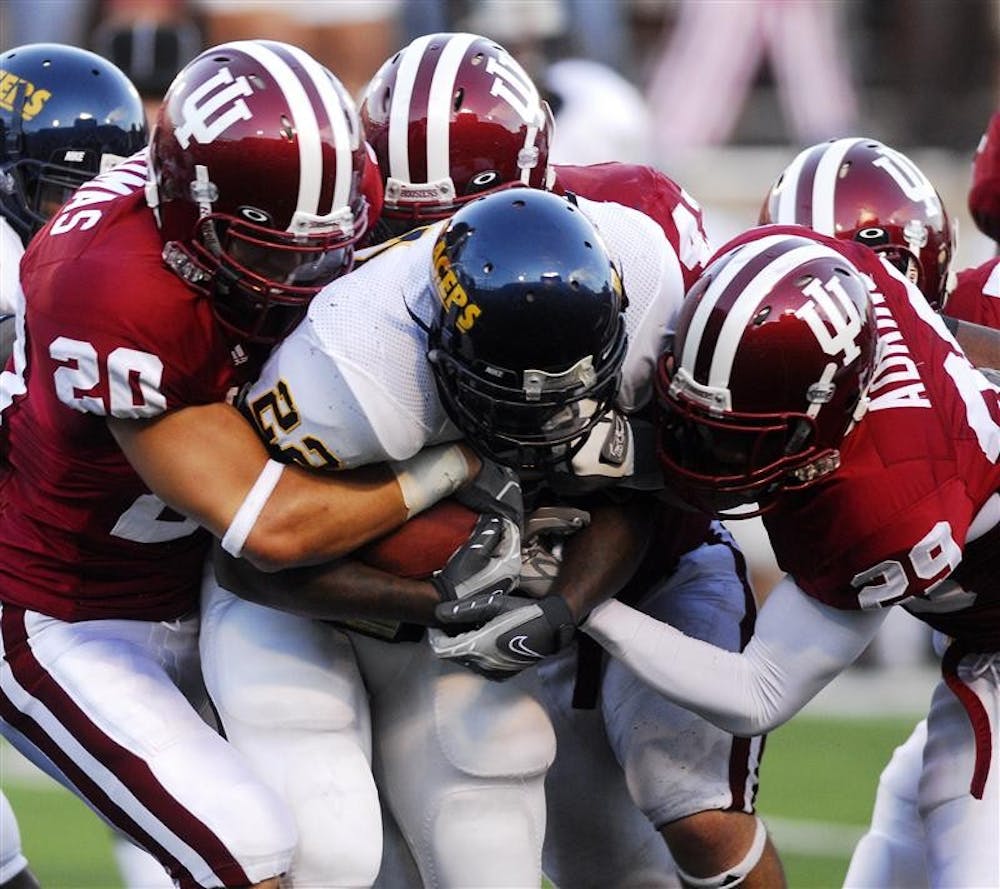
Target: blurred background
<point x="720" y="95"/>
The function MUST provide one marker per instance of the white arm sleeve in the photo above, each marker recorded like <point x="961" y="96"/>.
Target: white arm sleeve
<point x="799" y="645"/>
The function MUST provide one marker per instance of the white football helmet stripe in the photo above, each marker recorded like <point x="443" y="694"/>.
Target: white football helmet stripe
<point x="439" y="106"/>
<point x="306" y="125"/>
<point x="696" y="329"/>
<point x="345" y="141"/>
<point x="825" y="185"/>
<point x="746" y="303"/>
<point x="399" y="112"/>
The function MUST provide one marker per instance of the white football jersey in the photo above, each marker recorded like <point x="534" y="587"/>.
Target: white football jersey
<point x="11" y="251"/>
<point x="351" y="385"/>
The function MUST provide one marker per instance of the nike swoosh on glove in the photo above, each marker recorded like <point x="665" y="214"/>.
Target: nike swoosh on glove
<point x="518" y="632"/>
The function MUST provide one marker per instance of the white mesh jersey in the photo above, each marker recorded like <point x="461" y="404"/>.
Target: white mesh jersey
<point x="351" y="384"/>
<point x="11" y="251"/>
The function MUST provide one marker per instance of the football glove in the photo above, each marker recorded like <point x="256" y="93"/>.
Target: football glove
<point x="518" y="632"/>
<point x="489" y="562"/>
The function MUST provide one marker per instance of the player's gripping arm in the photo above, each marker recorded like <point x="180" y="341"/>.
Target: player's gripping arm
<point x="208" y="463"/>
<point x="340" y="591"/>
<point x="799" y="645"/>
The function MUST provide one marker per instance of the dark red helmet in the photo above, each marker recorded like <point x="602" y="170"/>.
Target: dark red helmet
<point x="452" y="116"/>
<point x="861" y="190"/>
<point x="984" y="195"/>
<point x="775" y="346"/>
<point x="256" y="162"/>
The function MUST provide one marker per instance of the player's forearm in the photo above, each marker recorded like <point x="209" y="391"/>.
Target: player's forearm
<point x="343" y="590"/>
<point x="207" y="463"/>
<point x="599" y="560"/>
<point x="799" y="646"/>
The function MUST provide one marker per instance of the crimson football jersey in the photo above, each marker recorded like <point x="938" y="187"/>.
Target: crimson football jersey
<point x="892" y="525"/>
<point x="976" y="296"/>
<point x="110" y="332"/>
<point x="651" y="192"/>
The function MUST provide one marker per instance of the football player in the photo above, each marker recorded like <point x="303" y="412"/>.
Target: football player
<point x="452" y="116"/>
<point x="66" y="115"/>
<point x="354" y="382"/>
<point x="861" y="190"/>
<point x="148" y="297"/>
<point x="811" y="382"/>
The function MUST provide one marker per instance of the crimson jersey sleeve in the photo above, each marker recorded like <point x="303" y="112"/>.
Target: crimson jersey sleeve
<point x="976" y="295"/>
<point x="110" y="333"/>
<point x="984" y="195"/>
<point x="891" y="524"/>
<point x="651" y="192"/>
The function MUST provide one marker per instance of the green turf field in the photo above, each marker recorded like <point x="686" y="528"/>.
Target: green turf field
<point x="818" y="783"/>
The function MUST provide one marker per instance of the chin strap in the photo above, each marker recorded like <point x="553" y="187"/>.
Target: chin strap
<point x="738" y="872"/>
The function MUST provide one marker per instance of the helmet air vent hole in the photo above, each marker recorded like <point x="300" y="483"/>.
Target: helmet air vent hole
<point x="488" y="268"/>
<point x="518" y="203"/>
<point x="845" y="168"/>
<point x="761" y="316"/>
<point x="588" y="245"/>
<point x="477" y="59"/>
<point x="456" y="103"/>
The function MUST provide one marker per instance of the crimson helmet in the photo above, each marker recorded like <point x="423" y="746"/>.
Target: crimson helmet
<point x="984" y="195"/>
<point x="450" y="117"/>
<point x="774" y="348"/>
<point x="861" y="190"/>
<point x="65" y="115"/>
<point x="529" y="337"/>
<point x="256" y="162"/>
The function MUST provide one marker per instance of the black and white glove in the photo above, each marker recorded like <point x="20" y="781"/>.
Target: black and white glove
<point x="518" y="632"/>
<point x="604" y="456"/>
<point x="496" y="489"/>
<point x="488" y="563"/>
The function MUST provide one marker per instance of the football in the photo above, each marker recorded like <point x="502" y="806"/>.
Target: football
<point x="424" y="543"/>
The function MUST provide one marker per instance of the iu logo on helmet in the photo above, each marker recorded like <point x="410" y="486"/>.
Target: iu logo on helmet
<point x="511" y="84"/>
<point x="838" y="330"/>
<point x="219" y="91"/>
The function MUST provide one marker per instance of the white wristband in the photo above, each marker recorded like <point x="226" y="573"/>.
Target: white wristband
<point x="429" y="475"/>
<point x="246" y="516"/>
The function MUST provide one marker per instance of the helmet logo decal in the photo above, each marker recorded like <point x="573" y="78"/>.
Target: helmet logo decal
<point x="35" y="98"/>
<point x="511" y="84"/>
<point x="838" y="312"/>
<point x="914" y="184"/>
<point x="220" y="90"/>
<point x="451" y="293"/>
